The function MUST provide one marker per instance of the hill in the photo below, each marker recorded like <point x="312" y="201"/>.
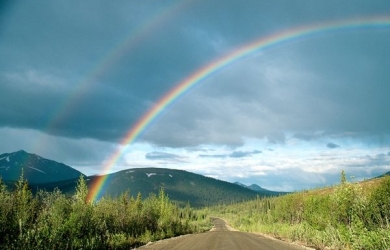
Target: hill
<point x="383" y="175"/>
<point x="36" y="169"/>
<point x="181" y="186"/>
<point x="344" y="216"/>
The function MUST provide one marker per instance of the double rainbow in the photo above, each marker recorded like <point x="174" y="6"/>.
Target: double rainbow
<point x="221" y="63"/>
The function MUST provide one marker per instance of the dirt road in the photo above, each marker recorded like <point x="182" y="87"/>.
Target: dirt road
<point x="221" y="237"/>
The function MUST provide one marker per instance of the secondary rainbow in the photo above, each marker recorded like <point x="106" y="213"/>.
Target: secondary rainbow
<point x="129" y="43"/>
<point x="112" y="56"/>
<point x="221" y="63"/>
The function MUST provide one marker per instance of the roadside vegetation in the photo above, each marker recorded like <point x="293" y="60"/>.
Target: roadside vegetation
<point x="347" y="216"/>
<point x="52" y="220"/>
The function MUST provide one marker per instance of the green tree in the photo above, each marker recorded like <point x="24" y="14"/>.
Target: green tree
<point x="81" y="190"/>
<point x="343" y="177"/>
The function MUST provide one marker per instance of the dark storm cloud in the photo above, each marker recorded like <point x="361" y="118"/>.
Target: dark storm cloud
<point x="66" y="49"/>
<point x="336" y="85"/>
<point x="271" y="93"/>
<point x="332" y="145"/>
<point x="75" y="76"/>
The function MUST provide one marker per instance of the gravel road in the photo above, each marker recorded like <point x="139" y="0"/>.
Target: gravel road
<point x="221" y="237"/>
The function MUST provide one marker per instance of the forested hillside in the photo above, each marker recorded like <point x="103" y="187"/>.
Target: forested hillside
<point x="347" y="216"/>
<point x="181" y="186"/>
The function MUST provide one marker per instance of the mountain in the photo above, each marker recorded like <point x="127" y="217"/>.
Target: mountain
<point x="180" y="186"/>
<point x="36" y="170"/>
<point x="260" y="190"/>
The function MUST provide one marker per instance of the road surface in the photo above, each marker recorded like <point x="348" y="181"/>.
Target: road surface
<point x="221" y="237"/>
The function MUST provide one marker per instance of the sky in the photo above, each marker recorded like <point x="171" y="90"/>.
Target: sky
<point x="77" y="76"/>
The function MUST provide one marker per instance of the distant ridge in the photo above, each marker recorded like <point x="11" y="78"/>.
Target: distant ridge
<point x="383" y="175"/>
<point x="260" y="190"/>
<point x="36" y="169"/>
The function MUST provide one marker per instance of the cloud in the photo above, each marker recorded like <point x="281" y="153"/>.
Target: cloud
<point x="378" y="160"/>
<point x="213" y="156"/>
<point x="234" y="154"/>
<point x="266" y="95"/>
<point x="332" y="145"/>
<point x="239" y="154"/>
<point x="84" y="73"/>
<point x="162" y="156"/>
<point x="270" y="96"/>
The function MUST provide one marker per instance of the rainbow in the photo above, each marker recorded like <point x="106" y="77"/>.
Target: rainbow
<point x="221" y="63"/>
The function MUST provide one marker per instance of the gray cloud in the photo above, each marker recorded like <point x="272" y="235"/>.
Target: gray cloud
<point x="239" y="154"/>
<point x="332" y="145"/>
<point x="72" y="43"/>
<point x="378" y="160"/>
<point x="213" y="156"/>
<point x="234" y="154"/>
<point x="162" y="156"/>
<point x="260" y="99"/>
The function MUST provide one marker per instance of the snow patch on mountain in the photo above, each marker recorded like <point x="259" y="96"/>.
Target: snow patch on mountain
<point x="37" y="170"/>
<point x="6" y="158"/>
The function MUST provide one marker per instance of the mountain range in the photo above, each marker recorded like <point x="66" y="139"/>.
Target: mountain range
<point x="181" y="186"/>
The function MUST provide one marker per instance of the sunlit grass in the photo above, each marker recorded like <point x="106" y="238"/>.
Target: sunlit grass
<point x="345" y="216"/>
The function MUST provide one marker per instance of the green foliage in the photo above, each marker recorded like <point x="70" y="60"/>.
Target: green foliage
<point x="52" y="220"/>
<point x="344" y="217"/>
<point x="380" y="203"/>
<point x="81" y="191"/>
